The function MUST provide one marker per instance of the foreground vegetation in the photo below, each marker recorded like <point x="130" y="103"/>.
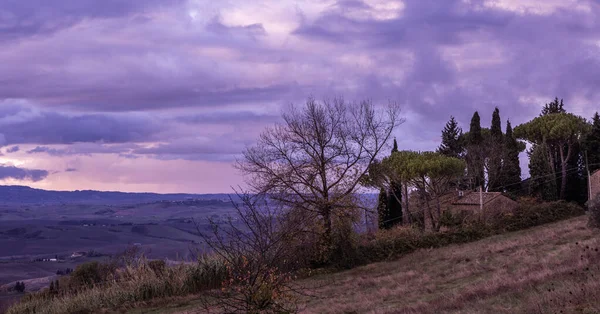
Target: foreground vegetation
<point x="93" y="287"/>
<point x="548" y="269"/>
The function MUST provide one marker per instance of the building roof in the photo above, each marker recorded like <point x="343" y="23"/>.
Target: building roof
<point x="596" y="172"/>
<point x="473" y="198"/>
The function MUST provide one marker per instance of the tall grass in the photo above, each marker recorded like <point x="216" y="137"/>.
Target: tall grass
<point x="137" y="284"/>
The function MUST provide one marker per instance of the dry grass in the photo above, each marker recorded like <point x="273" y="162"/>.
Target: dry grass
<point x="541" y="270"/>
<point x="141" y="287"/>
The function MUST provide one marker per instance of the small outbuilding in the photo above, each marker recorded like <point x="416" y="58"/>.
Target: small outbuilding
<point x="493" y="203"/>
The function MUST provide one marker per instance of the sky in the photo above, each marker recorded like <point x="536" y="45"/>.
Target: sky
<point x="163" y="95"/>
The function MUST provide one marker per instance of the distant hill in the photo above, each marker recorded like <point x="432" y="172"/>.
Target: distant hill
<point x="15" y="194"/>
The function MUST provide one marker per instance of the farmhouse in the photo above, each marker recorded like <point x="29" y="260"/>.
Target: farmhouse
<point x="595" y="183"/>
<point x="78" y="254"/>
<point x="493" y="203"/>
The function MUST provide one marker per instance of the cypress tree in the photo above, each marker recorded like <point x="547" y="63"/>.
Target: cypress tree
<point x="511" y="167"/>
<point x="451" y="145"/>
<point x="592" y="144"/>
<point x="496" y="152"/>
<point x="543" y="180"/>
<point x="383" y="210"/>
<point x="395" y="203"/>
<point x="576" y="190"/>
<point x="389" y="207"/>
<point x="475" y="152"/>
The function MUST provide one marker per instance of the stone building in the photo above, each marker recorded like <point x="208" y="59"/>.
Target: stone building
<point x="595" y="183"/>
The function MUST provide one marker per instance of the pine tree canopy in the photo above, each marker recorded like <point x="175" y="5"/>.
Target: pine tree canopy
<point x="451" y="145"/>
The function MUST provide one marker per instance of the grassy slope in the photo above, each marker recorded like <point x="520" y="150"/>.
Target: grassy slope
<point x="510" y="273"/>
<point x="541" y="270"/>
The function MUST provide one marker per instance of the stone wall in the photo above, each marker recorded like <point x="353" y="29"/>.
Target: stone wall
<point x="595" y="181"/>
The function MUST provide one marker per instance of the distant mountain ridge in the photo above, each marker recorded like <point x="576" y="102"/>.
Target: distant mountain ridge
<point x="16" y="194"/>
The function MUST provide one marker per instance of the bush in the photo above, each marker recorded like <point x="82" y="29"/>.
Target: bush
<point x="593" y="206"/>
<point x="534" y="215"/>
<point x="19" y="286"/>
<point x="389" y="244"/>
<point x="88" y="274"/>
<point x="344" y="251"/>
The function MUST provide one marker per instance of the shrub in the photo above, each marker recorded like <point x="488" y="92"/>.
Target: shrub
<point x="157" y="266"/>
<point x="593" y="206"/>
<point x="88" y="274"/>
<point x="535" y="215"/>
<point x="20" y="286"/>
<point x="344" y="251"/>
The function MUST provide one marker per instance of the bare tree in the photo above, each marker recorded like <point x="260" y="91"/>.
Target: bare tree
<point x="314" y="160"/>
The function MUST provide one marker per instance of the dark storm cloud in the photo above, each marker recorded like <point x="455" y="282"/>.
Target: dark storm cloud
<point x="12" y="172"/>
<point x="13" y="149"/>
<point x="29" y="126"/>
<point x="25" y="18"/>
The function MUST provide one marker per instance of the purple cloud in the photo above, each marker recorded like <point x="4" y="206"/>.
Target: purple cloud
<point x="13" y="149"/>
<point x="12" y="172"/>
<point x="178" y="81"/>
<point x="28" y="126"/>
<point x="24" y="18"/>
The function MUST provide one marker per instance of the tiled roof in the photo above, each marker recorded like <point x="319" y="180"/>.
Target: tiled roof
<point x="472" y="198"/>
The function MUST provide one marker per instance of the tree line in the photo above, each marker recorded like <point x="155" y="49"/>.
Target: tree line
<point x="564" y="148"/>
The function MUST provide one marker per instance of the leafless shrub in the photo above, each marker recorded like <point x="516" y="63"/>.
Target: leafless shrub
<point x="260" y="256"/>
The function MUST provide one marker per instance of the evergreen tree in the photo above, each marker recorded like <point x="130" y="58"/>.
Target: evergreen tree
<point x="52" y="287"/>
<point x="476" y="152"/>
<point x="496" y="152"/>
<point x="395" y="203"/>
<point x="576" y="190"/>
<point x="383" y="211"/>
<point x="592" y="144"/>
<point x="390" y="202"/>
<point x="553" y="107"/>
<point x="451" y="145"/>
<point x="511" y="168"/>
<point x="20" y="286"/>
<point x="543" y="180"/>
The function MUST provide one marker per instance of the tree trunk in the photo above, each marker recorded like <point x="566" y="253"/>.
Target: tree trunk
<point x="436" y="224"/>
<point x="327" y="229"/>
<point x="427" y="213"/>
<point x="406" y="216"/>
<point x="563" y="180"/>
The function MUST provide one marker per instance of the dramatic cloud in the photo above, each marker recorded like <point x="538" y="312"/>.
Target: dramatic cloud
<point x="26" y="125"/>
<point x="23" y="18"/>
<point x="193" y="82"/>
<point x="12" y="172"/>
<point x="13" y="149"/>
